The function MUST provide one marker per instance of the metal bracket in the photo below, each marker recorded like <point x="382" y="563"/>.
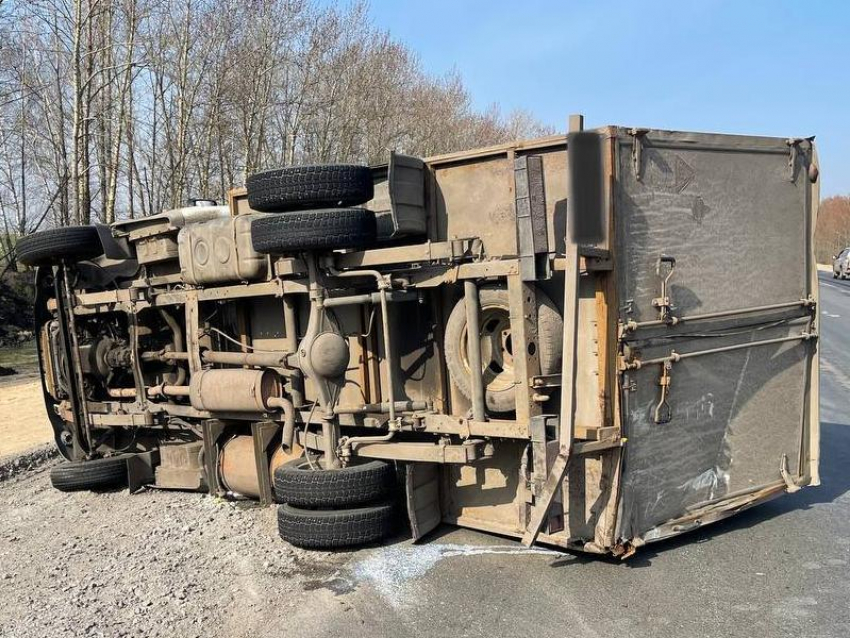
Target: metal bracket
<point x="663" y="412"/>
<point x="663" y="302"/>
<point x="793" y="150"/>
<point x="790" y="484"/>
<point x="637" y="150"/>
<point x="540" y="467"/>
<point x="567" y="419"/>
<point x="541" y="381"/>
<point x="213" y="430"/>
<point x="262" y="433"/>
<point x="140" y="470"/>
<point x="530" y="203"/>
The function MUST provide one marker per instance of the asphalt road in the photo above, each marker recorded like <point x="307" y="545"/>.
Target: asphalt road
<point x="195" y="566"/>
<point x="781" y="569"/>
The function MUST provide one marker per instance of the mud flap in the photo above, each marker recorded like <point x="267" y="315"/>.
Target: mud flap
<point x="422" y="496"/>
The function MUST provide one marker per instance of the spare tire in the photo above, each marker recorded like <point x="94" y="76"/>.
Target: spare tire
<point x="497" y="347"/>
<point x="327" y="529"/>
<point x="90" y="475"/>
<point x="304" y="187"/>
<point x="298" y="484"/>
<point x="325" y="229"/>
<point x="71" y="243"/>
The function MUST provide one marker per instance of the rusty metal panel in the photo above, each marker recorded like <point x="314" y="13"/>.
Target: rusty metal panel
<point x="729" y="415"/>
<point x="555" y="179"/>
<point x="400" y="197"/>
<point x="730" y="217"/>
<point x="422" y="496"/>
<point x="417" y="369"/>
<point x="488" y="492"/>
<point x="219" y="251"/>
<point x="473" y="199"/>
<point x="588" y="406"/>
<point x="531" y="229"/>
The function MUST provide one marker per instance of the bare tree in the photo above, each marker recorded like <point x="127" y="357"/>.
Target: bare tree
<point x="121" y="108"/>
<point x="832" y="234"/>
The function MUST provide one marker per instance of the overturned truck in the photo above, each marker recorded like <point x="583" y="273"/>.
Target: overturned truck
<point x="592" y="341"/>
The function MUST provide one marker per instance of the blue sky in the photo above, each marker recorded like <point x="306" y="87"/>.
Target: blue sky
<point x="759" y="67"/>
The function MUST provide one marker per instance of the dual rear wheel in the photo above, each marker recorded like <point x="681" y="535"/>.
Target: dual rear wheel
<point x="317" y="208"/>
<point x="334" y="508"/>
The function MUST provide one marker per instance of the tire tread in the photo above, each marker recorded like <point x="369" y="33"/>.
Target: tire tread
<point x="324" y="229"/>
<point x="328" y="529"/>
<point x="343" y="487"/>
<point x="74" y="243"/>
<point x="305" y="187"/>
<point x="88" y="475"/>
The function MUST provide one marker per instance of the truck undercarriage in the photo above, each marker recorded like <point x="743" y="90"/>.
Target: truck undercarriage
<point x="308" y="343"/>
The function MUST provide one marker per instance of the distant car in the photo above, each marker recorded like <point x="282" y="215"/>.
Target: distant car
<point x="841" y="264"/>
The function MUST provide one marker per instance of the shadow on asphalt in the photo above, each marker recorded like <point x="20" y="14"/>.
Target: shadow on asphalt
<point x="844" y="283"/>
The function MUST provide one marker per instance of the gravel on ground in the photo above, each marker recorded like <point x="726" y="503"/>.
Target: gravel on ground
<point x="152" y="564"/>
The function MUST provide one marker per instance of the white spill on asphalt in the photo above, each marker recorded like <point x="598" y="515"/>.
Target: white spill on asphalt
<point x="391" y="569"/>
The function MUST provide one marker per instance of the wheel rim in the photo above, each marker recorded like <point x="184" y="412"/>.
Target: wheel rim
<point x="497" y="360"/>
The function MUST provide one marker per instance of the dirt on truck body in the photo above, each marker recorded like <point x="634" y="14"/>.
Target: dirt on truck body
<point x="629" y="375"/>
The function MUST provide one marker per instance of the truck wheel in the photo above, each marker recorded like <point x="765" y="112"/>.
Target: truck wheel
<point x="325" y="229"/>
<point x="497" y="348"/>
<point x="327" y="529"/>
<point x="304" y="187"/>
<point x="72" y="243"/>
<point x="297" y="484"/>
<point x="90" y="475"/>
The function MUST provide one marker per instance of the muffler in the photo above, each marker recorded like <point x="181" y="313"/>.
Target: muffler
<point x="237" y="466"/>
<point x="234" y="390"/>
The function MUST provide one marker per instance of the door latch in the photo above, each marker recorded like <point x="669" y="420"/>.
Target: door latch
<point x="663" y="412"/>
<point x="663" y="302"/>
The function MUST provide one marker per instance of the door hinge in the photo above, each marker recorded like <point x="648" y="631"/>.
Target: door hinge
<point x="637" y="150"/>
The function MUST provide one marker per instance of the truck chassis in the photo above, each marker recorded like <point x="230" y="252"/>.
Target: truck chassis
<point x="308" y="342"/>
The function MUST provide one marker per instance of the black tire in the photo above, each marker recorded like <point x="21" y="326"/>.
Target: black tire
<point x="71" y="243"/>
<point x="299" y="485"/>
<point x="305" y="187"/>
<point x="96" y="474"/>
<point x="325" y="229"/>
<point x="500" y="395"/>
<point x="328" y="529"/>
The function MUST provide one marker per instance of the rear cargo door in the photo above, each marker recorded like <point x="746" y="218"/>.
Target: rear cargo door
<point x="718" y="386"/>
